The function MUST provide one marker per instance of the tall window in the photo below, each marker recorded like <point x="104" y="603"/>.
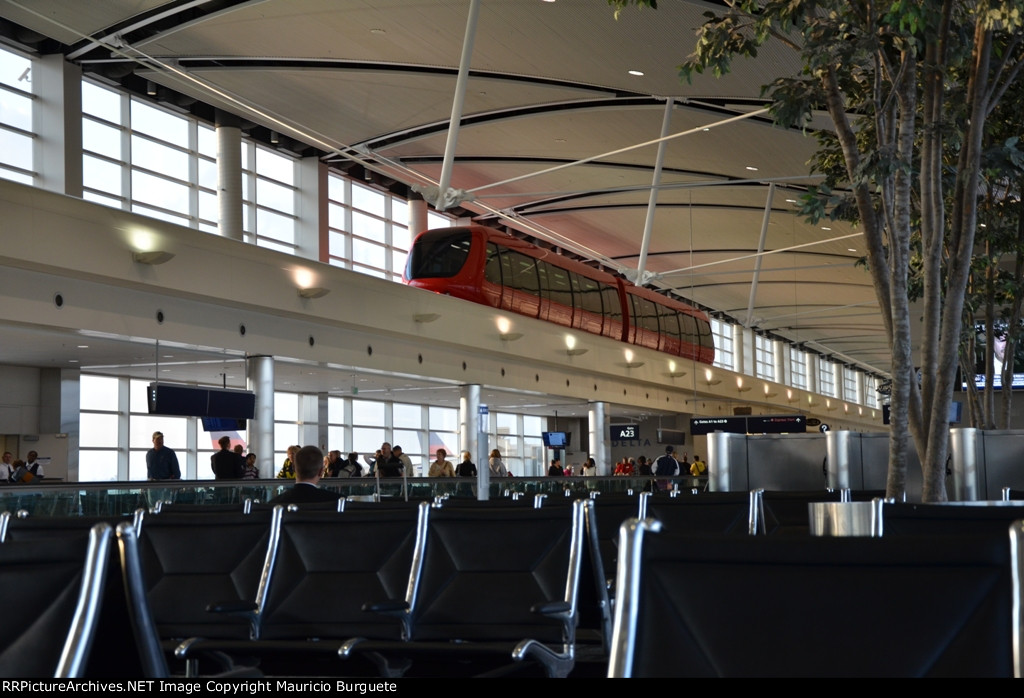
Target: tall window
<point x="725" y="356"/>
<point x="140" y="157"/>
<point x="799" y="376"/>
<point x="764" y="357"/>
<point x="268" y="198"/>
<point x="826" y="378"/>
<point x="16" y="132"/>
<point x="850" y="391"/>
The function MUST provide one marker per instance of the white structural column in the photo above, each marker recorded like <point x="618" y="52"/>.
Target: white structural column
<point x="472" y="435"/>
<point x="260" y="380"/>
<point x="229" y="177"/>
<point x="417" y="214"/>
<point x="599" y="436"/>
<point x="311" y="231"/>
<point x="57" y="116"/>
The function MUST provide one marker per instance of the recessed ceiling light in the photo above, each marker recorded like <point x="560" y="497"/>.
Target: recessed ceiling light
<point x="851" y="249"/>
<point x="83" y="346"/>
<point x="790" y="201"/>
<point x="378" y="30"/>
<point x="825" y="228"/>
<point x="72" y="361"/>
<point x="751" y="168"/>
<point x="638" y="73"/>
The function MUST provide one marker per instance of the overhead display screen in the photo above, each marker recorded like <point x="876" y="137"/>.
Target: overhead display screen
<point x="755" y="424"/>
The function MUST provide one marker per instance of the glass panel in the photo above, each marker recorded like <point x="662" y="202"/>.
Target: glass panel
<point x="367" y="199"/>
<point x="366" y="440"/>
<point x="15" y="149"/>
<point x="275" y="196"/>
<point x="141" y="428"/>
<point x="285" y="435"/>
<point x="336" y="189"/>
<point x="158" y="192"/>
<point x="336" y="410"/>
<point x="276" y="226"/>
<point x="401" y="239"/>
<point x="209" y="210"/>
<point x="15" y="70"/>
<point x="21" y="178"/>
<point x="443" y="418"/>
<point x="97" y="430"/>
<point x="16" y="110"/>
<point x="97" y="466"/>
<point x="162" y="215"/>
<point x="101" y="102"/>
<point x="399" y="211"/>
<point x="98" y="393"/>
<point x="533" y="425"/>
<point x="369" y="413"/>
<point x="138" y="397"/>
<point x="336" y="440"/>
<point x="408" y="416"/>
<point x="207" y="174"/>
<point x="275" y="166"/>
<point x="206" y="141"/>
<point x="102" y="139"/>
<point x="286" y="407"/>
<point x="367" y="227"/>
<point x="368" y="253"/>
<point x="158" y="123"/>
<point x="159" y="158"/>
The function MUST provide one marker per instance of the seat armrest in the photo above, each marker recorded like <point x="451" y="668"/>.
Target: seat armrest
<point x="552" y="608"/>
<point x="391" y="607"/>
<point x="233" y="606"/>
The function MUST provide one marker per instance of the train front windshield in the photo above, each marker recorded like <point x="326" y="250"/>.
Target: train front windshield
<point x="438" y="254"/>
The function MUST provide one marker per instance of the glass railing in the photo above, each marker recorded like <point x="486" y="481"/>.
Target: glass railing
<point x="123" y="498"/>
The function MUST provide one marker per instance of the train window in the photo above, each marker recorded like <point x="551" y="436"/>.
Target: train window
<point x="612" y="304"/>
<point x="438" y="254"/>
<point x="588" y="292"/>
<point x="555" y="283"/>
<point x="669" y="321"/>
<point x="645" y="314"/>
<point x="690" y="330"/>
<point x="493" y="264"/>
<point x="524" y="273"/>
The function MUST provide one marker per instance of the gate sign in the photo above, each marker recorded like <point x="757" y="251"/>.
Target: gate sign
<point x="755" y="424"/>
<point x="624" y="432"/>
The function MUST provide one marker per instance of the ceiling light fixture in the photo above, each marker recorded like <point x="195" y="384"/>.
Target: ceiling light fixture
<point x="314" y="292"/>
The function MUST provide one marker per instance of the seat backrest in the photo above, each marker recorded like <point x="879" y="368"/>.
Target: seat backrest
<point x="328" y="564"/>
<point x="191" y="561"/>
<point x="484" y="569"/>
<point x="705" y="513"/>
<point x="786" y="512"/>
<point x="53" y="589"/>
<point x="902" y="518"/>
<point x="32" y="528"/>
<point x="780" y="606"/>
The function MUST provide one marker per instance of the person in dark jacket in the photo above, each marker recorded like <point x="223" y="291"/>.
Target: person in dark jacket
<point x="226" y="464"/>
<point x="309" y="466"/>
<point x="466" y="468"/>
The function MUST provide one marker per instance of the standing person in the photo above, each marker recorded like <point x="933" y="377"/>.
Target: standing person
<point x="6" y="470"/>
<point x="33" y="465"/>
<point x="333" y="463"/>
<point x="441" y="467"/>
<point x="666" y="466"/>
<point x="699" y="470"/>
<point x="350" y="466"/>
<point x="251" y="472"/>
<point x="466" y="468"/>
<point x="643" y="467"/>
<point x="287" y="471"/>
<point x="495" y="465"/>
<point x="309" y="464"/>
<point x="226" y="464"/>
<point x="388" y="463"/>
<point x="555" y="469"/>
<point x="372" y="462"/>
<point x="406" y="460"/>
<point x="589" y="467"/>
<point x="161" y="462"/>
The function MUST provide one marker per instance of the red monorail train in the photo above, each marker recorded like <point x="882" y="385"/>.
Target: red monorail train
<point x="487" y="266"/>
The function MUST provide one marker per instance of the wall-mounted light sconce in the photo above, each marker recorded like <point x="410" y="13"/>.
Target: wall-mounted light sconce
<point x="710" y="379"/>
<point x="504" y="326"/>
<point x="426" y="317"/>
<point x="811" y="402"/>
<point x="829" y="406"/>
<point x="790" y="397"/>
<point x="740" y="387"/>
<point x="152" y="257"/>
<point x="570" y="346"/>
<point x="313" y="292"/>
<point x="673" y="370"/>
<point x="630" y="361"/>
<point x="768" y="391"/>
